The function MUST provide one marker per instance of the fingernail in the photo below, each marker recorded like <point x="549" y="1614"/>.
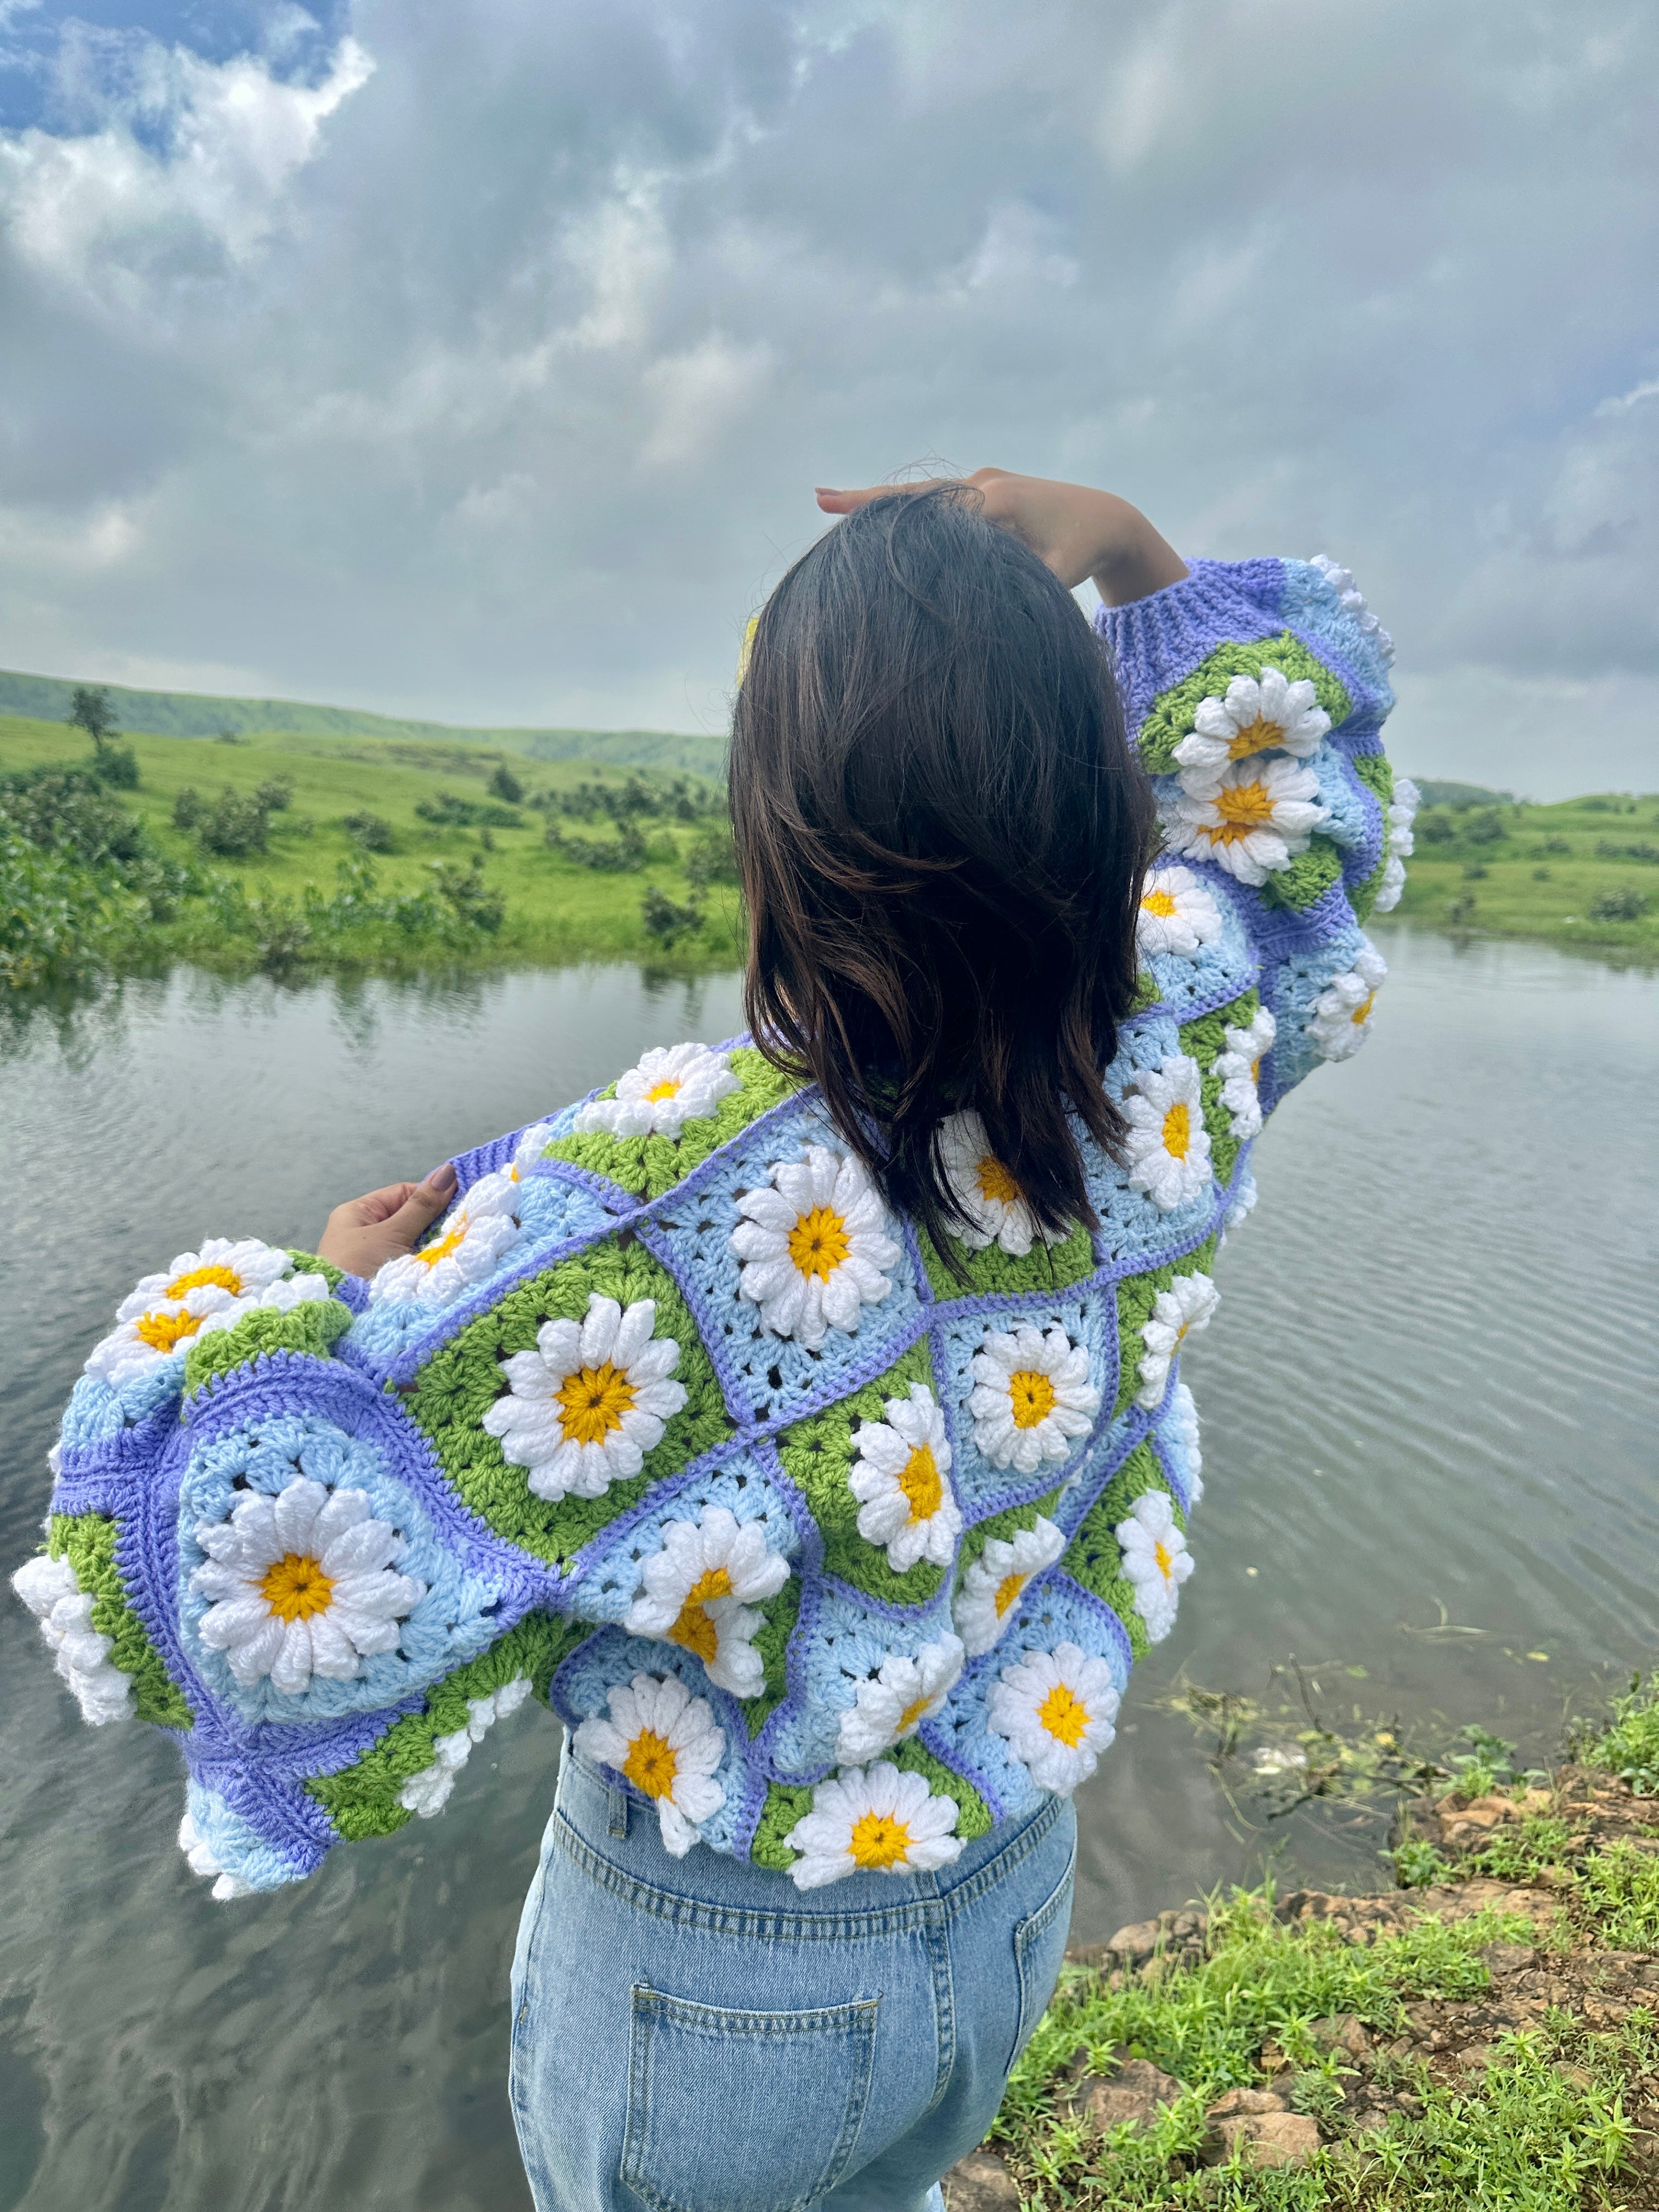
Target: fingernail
<point x="827" y="491"/>
<point x="442" y="1176"/>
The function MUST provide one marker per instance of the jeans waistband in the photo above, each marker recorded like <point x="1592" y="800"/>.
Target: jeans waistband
<point x="616" y="1841"/>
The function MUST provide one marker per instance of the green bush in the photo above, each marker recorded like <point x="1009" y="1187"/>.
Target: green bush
<point x="506" y="786"/>
<point x="664" y="922"/>
<point x="116" y="766"/>
<point x="372" y="831"/>
<point x="1624" y="904"/>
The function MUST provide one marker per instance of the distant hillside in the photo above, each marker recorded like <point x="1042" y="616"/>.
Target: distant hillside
<point x="1438" y="793"/>
<point x="197" y="714"/>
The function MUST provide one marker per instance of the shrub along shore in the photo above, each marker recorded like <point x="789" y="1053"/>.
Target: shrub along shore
<point x="299" y="853"/>
<point x="1486" y="2038"/>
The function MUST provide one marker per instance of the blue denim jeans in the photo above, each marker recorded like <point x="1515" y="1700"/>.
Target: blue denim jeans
<point x="696" y="2035"/>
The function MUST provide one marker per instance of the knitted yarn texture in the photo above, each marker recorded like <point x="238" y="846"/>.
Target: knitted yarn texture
<point x="833" y="1561"/>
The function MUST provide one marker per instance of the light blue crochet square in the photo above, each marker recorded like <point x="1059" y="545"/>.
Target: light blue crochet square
<point x="1290" y="994"/>
<point x="1190" y="983"/>
<point x="843" y="1645"/>
<point x="97" y="1411"/>
<point x="611" y="1569"/>
<point x="453" y="1620"/>
<point x="769" y="1377"/>
<point x="1088" y="1317"/>
<point x="1309" y="604"/>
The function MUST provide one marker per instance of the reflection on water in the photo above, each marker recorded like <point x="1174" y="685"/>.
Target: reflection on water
<point x="1427" y="1399"/>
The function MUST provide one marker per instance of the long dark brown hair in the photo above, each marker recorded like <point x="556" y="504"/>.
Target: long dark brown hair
<point x="942" y="832"/>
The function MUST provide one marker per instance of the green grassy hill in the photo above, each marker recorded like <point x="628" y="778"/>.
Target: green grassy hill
<point x="198" y="714"/>
<point x="425" y="808"/>
<point x="1583" y="872"/>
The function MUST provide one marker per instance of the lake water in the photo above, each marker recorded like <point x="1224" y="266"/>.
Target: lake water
<point x="1429" y="1405"/>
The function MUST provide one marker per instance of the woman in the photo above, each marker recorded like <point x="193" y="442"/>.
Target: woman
<point x="801" y="1418"/>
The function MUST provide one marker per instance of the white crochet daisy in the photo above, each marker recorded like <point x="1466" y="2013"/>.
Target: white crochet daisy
<point x="1057" y="1709"/>
<point x="873" y="1821"/>
<point x="1399" y="817"/>
<point x="1176" y="914"/>
<point x="427" y="1792"/>
<point x="582" y="1409"/>
<point x="700" y="1590"/>
<point x="672" y="1085"/>
<point x="1252" y="818"/>
<point x="302" y="1584"/>
<point x="1259" y="714"/>
<point x="503" y="1191"/>
<point x="1032" y="1397"/>
<point x="471" y="1243"/>
<point x="1181" y="1422"/>
<point x="1167" y="1147"/>
<point x="993" y="1209"/>
<point x="994" y="1585"/>
<point x="814" y="1246"/>
<point x="80" y="1654"/>
<point x="901" y="1482"/>
<point x="1177" y="1313"/>
<point x="1240" y="1065"/>
<point x="1352" y="602"/>
<point x="1155" y="1559"/>
<point x="895" y="1703"/>
<point x="665" y="1742"/>
<point x="202" y="1859"/>
<point x="1342" y="1019"/>
<point x="1244" y="1204"/>
<point x="201" y="1291"/>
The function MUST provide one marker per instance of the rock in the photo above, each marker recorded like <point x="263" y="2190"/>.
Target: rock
<point x="1485" y="1813"/>
<point x="1245" y="2100"/>
<point x="1136" y="1941"/>
<point x="1575" y="2075"/>
<point x="980" y="2182"/>
<point x="1268" y="2139"/>
<point x="1133" y="2091"/>
<point x="1341" y="2030"/>
<point x="1476" y="2058"/>
<point x="1368" y="2123"/>
<point x="1509" y="1958"/>
<point x="1273" y="2060"/>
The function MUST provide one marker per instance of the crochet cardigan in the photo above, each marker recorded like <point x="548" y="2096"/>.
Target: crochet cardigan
<point x="834" y="1561"/>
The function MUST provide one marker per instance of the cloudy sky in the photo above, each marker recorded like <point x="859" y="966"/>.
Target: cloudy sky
<point x="475" y="359"/>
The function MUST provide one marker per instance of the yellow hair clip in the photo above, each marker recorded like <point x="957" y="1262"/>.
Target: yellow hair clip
<point x="748" y="646"/>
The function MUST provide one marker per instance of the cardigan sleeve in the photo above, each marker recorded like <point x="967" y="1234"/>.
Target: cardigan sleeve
<point x="1255" y="692"/>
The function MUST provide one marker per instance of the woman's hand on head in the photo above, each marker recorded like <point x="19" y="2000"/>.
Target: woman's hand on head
<point x="1077" y="531"/>
<point x="365" y="1232"/>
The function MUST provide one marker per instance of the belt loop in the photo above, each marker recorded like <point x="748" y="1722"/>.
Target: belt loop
<point x="618" y="1809"/>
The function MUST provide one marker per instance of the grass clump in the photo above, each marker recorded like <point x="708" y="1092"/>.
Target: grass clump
<point x="1629" y="1748"/>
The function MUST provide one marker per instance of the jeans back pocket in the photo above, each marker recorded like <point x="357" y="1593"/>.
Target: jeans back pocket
<point x="733" y="2111"/>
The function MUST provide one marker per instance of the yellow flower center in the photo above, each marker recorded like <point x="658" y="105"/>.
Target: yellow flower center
<point x="651" y="1763"/>
<point x="923" y="1485"/>
<point x="1064" y="1715"/>
<point x="996" y="1185"/>
<point x="1244" y="808"/>
<point x="913" y="1713"/>
<point x="668" y="1088"/>
<point x="1031" y="1395"/>
<point x="1007" y="1596"/>
<point x="1362" y="1012"/>
<point x="592" y="1402"/>
<point x="1256" y="1071"/>
<point x="1255" y="737"/>
<point x="695" y="1630"/>
<point x="878" y="1840"/>
<point x="429" y="1254"/>
<point x="201" y="1278"/>
<point x="162" y="1331"/>
<point x="818" y="1243"/>
<point x="1165" y="1559"/>
<point x="1178" y="1130"/>
<point x="1162" y="904"/>
<point x="294" y="1587"/>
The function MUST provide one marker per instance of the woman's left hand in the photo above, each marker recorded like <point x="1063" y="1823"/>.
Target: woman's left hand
<point x="365" y="1232"/>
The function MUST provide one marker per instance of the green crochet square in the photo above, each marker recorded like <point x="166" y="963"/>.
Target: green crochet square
<point x="1376" y="772"/>
<point x="787" y="1802"/>
<point x="88" y="1542"/>
<point x="361" y="1799"/>
<point x="307" y="1263"/>
<point x="1172" y="713"/>
<point x="1204" y="1040"/>
<point x="314" y="1327"/>
<point x="817" y="1455"/>
<point x="1094" y="1557"/>
<point x="1044" y="1269"/>
<point x="452" y="1391"/>
<point x="649" y="1166"/>
<point x="1136" y="1297"/>
<point x="1009" y="1522"/>
<point x="1307" y="878"/>
<point x="772" y="1642"/>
